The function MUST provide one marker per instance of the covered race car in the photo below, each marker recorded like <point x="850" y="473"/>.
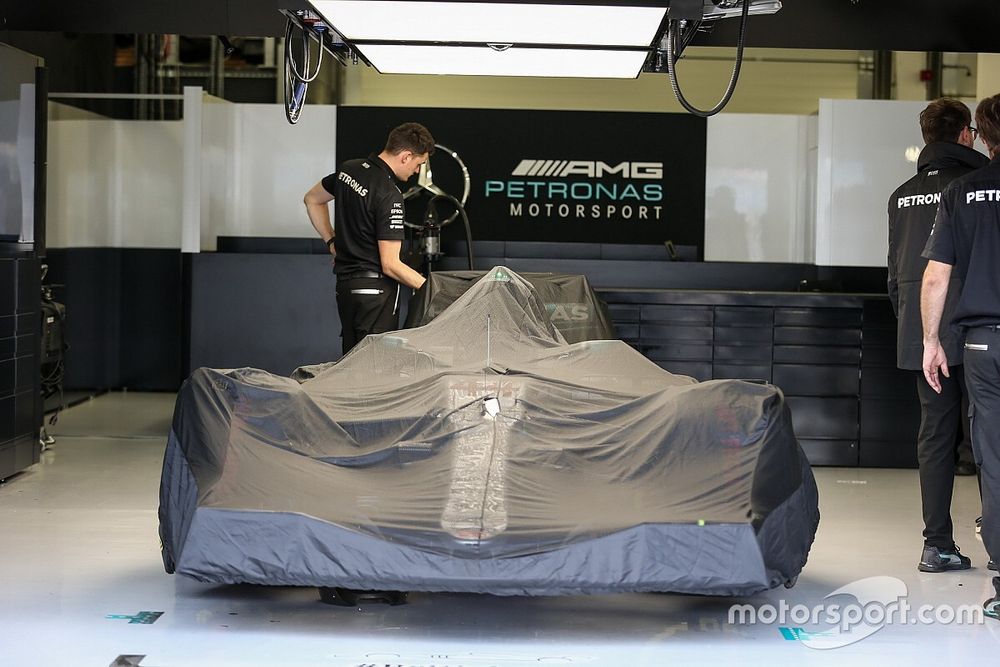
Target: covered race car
<point x="570" y="303"/>
<point x="482" y="453"/>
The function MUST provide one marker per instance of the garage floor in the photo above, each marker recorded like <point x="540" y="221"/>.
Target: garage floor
<point x="83" y="584"/>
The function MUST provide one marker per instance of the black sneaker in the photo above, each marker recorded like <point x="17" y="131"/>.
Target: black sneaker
<point x="991" y="566"/>
<point x="965" y="468"/>
<point x="991" y="608"/>
<point x="943" y="560"/>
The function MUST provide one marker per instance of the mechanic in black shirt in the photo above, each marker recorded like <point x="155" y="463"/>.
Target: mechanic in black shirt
<point x="946" y="125"/>
<point x="966" y="240"/>
<point x="367" y="232"/>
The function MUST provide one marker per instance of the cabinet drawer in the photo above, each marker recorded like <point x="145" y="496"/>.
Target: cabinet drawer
<point x="815" y="380"/>
<point x="833" y="418"/>
<point x="752" y="372"/>
<point x="699" y="371"/>
<point x="748" y="316"/>
<point x="816" y="354"/>
<point x="686" y="314"/>
<point x="817" y="317"/>
<point x="830" y="452"/>
<point x="743" y="335"/>
<point x="816" y="336"/>
<point x="678" y="352"/>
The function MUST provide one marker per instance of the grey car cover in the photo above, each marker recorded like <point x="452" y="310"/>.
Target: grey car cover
<point x="483" y="453"/>
<point x="572" y="306"/>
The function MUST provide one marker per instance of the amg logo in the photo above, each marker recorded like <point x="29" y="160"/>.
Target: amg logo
<point x="588" y="168"/>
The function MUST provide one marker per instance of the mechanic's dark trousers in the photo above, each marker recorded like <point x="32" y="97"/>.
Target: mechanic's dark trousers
<point x="965" y="446"/>
<point x="366" y="306"/>
<point x="941" y="417"/>
<point x="982" y="376"/>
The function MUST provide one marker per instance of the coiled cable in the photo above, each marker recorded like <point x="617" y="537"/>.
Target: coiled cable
<point x="672" y="38"/>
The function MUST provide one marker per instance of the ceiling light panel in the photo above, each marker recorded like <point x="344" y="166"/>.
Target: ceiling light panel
<point x="469" y="60"/>
<point x="386" y="20"/>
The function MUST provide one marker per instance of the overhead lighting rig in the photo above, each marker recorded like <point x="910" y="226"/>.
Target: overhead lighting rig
<point x="535" y="38"/>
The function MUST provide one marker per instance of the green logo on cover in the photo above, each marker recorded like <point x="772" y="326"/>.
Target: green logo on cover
<point x="501" y="276"/>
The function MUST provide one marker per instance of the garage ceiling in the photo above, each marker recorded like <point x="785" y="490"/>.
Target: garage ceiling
<point x="903" y="25"/>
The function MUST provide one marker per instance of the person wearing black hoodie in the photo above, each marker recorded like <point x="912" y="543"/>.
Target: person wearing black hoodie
<point x="946" y="125"/>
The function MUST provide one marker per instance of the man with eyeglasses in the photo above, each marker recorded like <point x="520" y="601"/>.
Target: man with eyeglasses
<point x="948" y="154"/>
<point x="965" y="241"/>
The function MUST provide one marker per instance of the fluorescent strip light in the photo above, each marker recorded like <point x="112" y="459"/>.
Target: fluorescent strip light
<point x="470" y="60"/>
<point x="385" y="20"/>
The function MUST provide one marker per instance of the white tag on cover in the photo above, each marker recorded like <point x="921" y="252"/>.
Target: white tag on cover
<point x="492" y="406"/>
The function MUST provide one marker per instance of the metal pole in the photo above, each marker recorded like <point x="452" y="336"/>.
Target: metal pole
<point x="935" y="85"/>
<point x="217" y="65"/>
<point x="137" y="84"/>
<point x="191" y="197"/>
<point x="882" y="76"/>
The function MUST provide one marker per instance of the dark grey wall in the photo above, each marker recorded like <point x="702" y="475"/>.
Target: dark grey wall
<point x="269" y="311"/>
<point x="124" y="315"/>
<point x="278" y="311"/>
<point x="144" y="318"/>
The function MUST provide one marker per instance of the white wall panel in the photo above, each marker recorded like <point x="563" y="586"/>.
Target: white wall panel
<point x="147" y="174"/>
<point x="866" y="148"/>
<point x="218" y="149"/>
<point x="269" y="166"/>
<point x="114" y="183"/>
<point x="194" y="203"/>
<point x="81" y="197"/>
<point x="119" y="183"/>
<point x="812" y="169"/>
<point x="756" y="189"/>
<point x="862" y="158"/>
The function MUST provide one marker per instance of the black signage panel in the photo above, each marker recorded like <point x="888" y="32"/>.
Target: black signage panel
<point x="593" y="177"/>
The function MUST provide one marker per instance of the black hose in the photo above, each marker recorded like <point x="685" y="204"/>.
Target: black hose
<point x="468" y="232"/>
<point x="296" y="84"/>
<point x="465" y="221"/>
<point x="672" y="36"/>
